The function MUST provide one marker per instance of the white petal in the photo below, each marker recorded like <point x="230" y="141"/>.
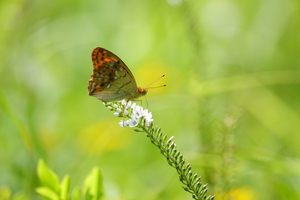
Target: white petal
<point x="147" y="115"/>
<point x="117" y="114"/>
<point x="123" y="102"/>
<point x="133" y="106"/>
<point x="149" y="120"/>
<point x="123" y="123"/>
<point x="128" y="105"/>
<point x="132" y="123"/>
<point x="139" y="108"/>
<point x="171" y="138"/>
<point x="119" y="110"/>
<point x="145" y="112"/>
<point x="137" y="111"/>
<point x="147" y="124"/>
<point x="126" y="112"/>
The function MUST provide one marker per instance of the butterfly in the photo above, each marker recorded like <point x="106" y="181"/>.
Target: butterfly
<point x="111" y="79"/>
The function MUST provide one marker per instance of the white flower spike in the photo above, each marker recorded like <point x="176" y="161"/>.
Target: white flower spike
<point x="133" y="111"/>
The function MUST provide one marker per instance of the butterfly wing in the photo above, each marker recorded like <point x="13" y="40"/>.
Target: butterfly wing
<point x="111" y="79"/>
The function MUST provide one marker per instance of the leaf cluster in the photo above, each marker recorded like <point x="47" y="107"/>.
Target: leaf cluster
<point x="53" y="189"/>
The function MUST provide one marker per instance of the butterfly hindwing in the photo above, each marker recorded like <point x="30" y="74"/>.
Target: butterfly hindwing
<point x="111" y="79"/>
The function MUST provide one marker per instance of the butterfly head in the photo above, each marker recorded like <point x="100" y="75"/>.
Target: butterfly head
<point x="140" y="92"/>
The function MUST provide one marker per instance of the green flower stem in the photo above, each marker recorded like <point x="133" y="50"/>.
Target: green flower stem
<point x="142" y="119"/>
<point x="176" y="160"/>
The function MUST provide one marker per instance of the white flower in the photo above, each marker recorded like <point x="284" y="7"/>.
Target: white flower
<point x="133" y="122"/>
<point x="116" y="114"/>
<point x="128" y="105"/>
<point x="126" y="112"/>
<point x="133" y="106"/>
<point x="147" y="124"/>
<point x="147" y="116"/>
<point x="123" y="123"/>
<point x="171" y="138"/>
<point x="119" y="110"/>
<point x="123" y="102"/>
<point x="122" y="111"/>
<point x="136" y="111"/>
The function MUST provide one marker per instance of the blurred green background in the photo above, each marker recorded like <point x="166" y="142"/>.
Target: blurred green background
<point x="232" y="99"/>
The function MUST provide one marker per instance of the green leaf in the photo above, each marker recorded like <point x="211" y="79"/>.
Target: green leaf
<point x="47" y="193"/>
<point x="88" y="195"/>
<point x="76" y="194"/>
<point x="48" y="177"/>
<point x="18" y="197"/>
<point x="93" y="184"/>
<point x="65" y="187"/>
<point x="6" y="194"/>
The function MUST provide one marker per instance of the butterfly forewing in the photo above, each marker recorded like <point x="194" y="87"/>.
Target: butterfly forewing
<point x="111" y="79"/>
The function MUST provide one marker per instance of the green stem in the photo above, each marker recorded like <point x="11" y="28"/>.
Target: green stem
<point x="185" y="173"/>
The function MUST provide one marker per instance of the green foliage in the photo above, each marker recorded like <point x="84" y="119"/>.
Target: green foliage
<point x="6" y="194"/>
<point x="232" y="97"/>
<point x="54" y="190"/>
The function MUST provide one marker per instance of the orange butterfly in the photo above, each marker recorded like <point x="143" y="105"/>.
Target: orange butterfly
<point x="111" y="79"/>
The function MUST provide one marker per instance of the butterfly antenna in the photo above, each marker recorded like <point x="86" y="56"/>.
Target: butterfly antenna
<point x="157" y="87"/>
<point x="155" y="81"/>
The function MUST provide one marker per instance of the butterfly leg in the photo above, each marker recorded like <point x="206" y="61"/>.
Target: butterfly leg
<point x="142" y="102"/>
<point x="139" y="101"/>
<point x="124" y="115"/>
